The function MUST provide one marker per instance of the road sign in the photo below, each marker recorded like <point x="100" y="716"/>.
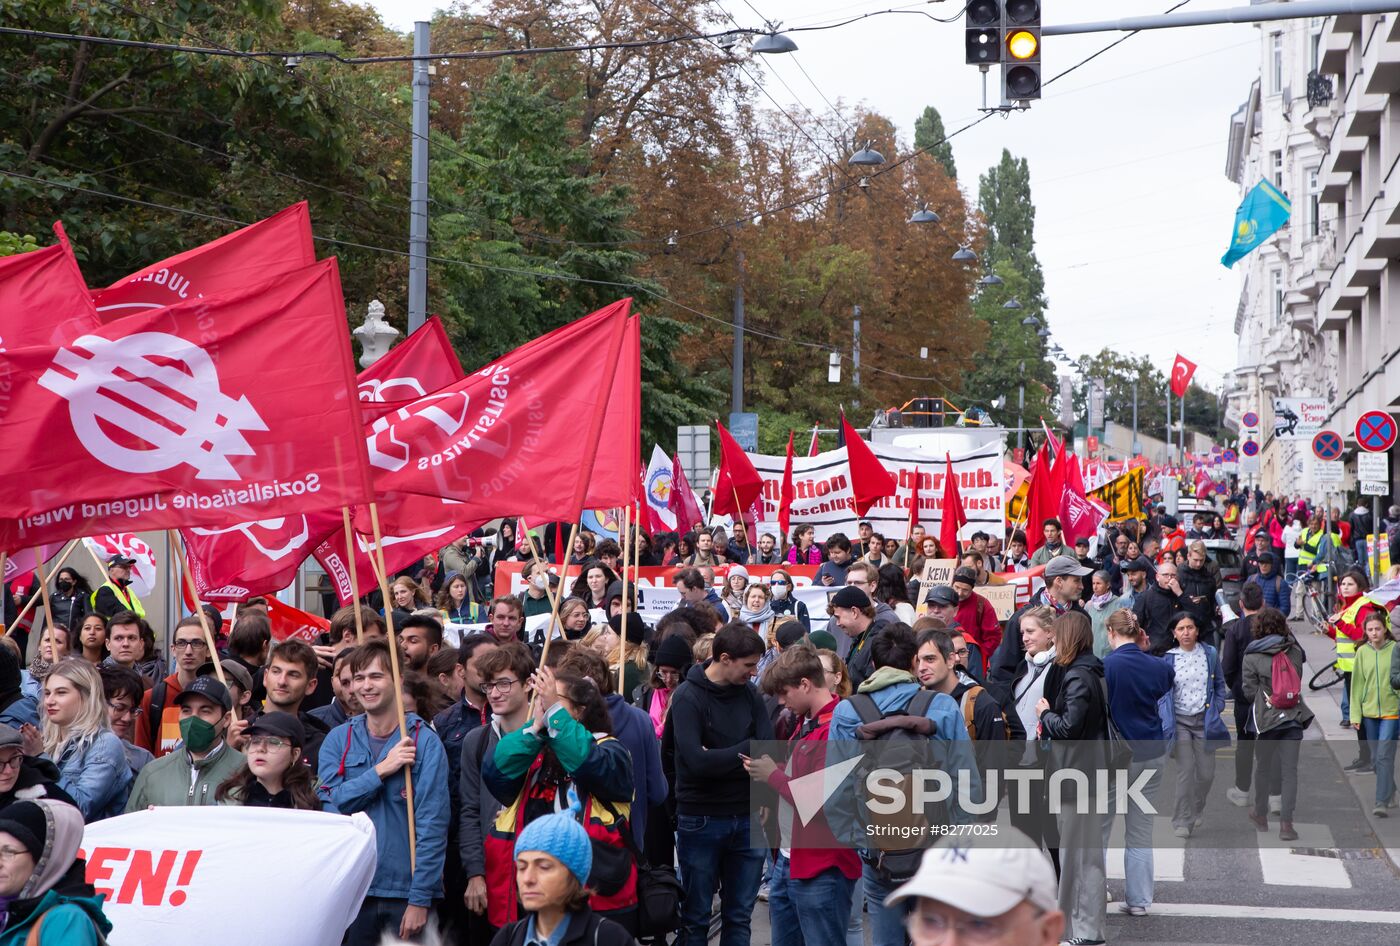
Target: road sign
<point x="1328" y="472"/>
<point x="1249" y="465"/>
<point x="1374" y="489"/>
<point x="1373" y="468"/>
<point x="1229" y="456"/>
<point x="1375" y="431"/>
<point x="1250" y="448"/>
<point x="744" y="427"/>
<point x="1092" y="443"/>
<point x="1327" y="445"/>
<point x="1250" y="420"/>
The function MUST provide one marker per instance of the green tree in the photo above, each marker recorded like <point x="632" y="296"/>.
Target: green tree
<point x="12" y="243"/>
<point x="1121" y="374"/>
<point x="527" y="233"/>
<point x="929" y="135"/>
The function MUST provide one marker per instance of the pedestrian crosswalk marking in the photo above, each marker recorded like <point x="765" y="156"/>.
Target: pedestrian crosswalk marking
<point x="1282" y="867"/>
<point x="1231" y="911"/>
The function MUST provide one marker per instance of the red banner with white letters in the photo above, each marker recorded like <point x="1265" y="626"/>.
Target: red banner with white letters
<point x="198" y="414"/>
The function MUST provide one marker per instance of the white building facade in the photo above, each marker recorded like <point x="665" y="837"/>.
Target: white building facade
<point x="1291" y="344"/>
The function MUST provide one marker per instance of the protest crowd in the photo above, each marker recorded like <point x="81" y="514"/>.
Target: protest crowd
<point x="563" y="735"/>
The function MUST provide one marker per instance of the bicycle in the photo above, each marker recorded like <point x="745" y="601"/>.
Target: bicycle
<point x="1328" y="676"/>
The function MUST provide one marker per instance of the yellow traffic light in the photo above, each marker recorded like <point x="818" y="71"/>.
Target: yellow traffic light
<point x="1022" y="45"/>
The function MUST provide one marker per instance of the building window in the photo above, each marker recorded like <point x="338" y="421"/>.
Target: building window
<point x="1278" y="169"/>
<point x="1276" y="39"/>
<point x="1315" y="58"/>
<point x="1277" y="311"/>
<point x="1314" y="204"/>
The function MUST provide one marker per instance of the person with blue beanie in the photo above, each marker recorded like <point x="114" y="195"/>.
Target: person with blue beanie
<point x="553" y="858"/>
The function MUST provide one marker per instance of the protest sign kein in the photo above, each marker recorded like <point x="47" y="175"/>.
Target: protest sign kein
<point x="167" y="872"/>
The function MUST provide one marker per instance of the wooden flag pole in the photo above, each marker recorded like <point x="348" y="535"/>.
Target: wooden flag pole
<point x="909" y="531"/>
<point x="4" y="561"/>
<point x="33" y="598"/>
<point x="44" y="591"/>
<point x="354" y="579"/>
<point x="377" y="559"/>
<point x="739" y="515"/>
<point x="177" y="553"/>
<point x="554" y="610"/>
<point x="622" y="622"/>
<point x="636" y="562"/>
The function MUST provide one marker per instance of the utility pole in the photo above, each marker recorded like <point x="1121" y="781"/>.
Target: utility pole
<point x="1169" y="428"/>
<point x="1021" y="415"/>
<point x="418" y="188"/>
<point x="1136" y="447"/>
<point x="855" y="353"/>
<point x="736" y="384"/>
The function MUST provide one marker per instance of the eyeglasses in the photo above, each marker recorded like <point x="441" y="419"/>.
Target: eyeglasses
<point x="931" y="928"/>
<point x="8" y="854"/>
<point x="189" y="645"/>
<point x="121" y="709"/>
<point x="778" y="584"/>
<point x="500" y="686"/>
<point x="267" y="742"/>
<point x="960" y="651"/>
<point x="12" y="763"/>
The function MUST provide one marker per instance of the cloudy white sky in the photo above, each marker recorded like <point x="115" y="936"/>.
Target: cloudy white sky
<point x="1127" y="154"/>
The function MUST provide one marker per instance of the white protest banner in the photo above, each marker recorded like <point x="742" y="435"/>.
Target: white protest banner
<point x="823" y="490"/>
<point x="1002" y="598"/>
<point x="166" y="872"/>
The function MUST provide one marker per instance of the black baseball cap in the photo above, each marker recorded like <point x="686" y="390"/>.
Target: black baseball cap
<point x="942" y="595"/>
<point x="121" y="560"/>
<point x="850" y="597"/>
<point x="208" y="687"/>
<point x="281" y="724"/>
<point x="1139" y="564"/>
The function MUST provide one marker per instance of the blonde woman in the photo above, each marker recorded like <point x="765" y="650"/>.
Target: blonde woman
<point x="407" y="595"/>
<point x="838" y="678"/>
<point x="77" y="736"/>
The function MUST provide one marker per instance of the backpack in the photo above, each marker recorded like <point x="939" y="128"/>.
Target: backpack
<point x="1285" y="685"/>
<point x="906" y="733"/>
<point x="968" y="703"/>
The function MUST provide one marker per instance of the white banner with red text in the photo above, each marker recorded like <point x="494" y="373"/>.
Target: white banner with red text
<point x="173" y="875"/>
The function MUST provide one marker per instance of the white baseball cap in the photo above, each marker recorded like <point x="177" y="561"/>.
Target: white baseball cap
<point x="984" y="876"/>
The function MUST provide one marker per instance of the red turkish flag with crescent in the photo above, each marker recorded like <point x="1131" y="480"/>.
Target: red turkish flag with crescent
<point x="198" y="414"/>
<point x="1182" y="372"/>
<point x="233" y="563"/>
<point x="517" y="437"/>
<point x="415" y="367"/>
<point x="43" y="298"/>
<point x="280" y="244"/>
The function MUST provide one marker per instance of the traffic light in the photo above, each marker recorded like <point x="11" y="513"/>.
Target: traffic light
<point x="1020" y="50"/>
<point x="983" y="32"/>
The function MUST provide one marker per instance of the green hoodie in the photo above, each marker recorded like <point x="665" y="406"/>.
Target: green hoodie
<point x="64" y="920"/>
<point x="1371" y="693"/>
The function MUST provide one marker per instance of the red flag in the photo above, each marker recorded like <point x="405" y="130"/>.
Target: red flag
<point x="43" y="298"/>
<point x="235" y="562"/>
<point x="682" y="500"/>
<point x="619" y="454"/>
<point x="411" y="527"/>
<point x="953" y="516"/>
<point x="870" y="480"/>
<point x="1182" y="371"/>
<point x="1043" y="494"/>
<point x="288" y="622"/>
<point x="417" y="366"/>
<point x="20" y="566"/>
<point x="199" y="414"/>
<point x="738" y="483"/>
<point x="914" y="502"/>
<point x="813" y="448"/>
<point x="787" y="493"/>
<point x="517" y="438"/>
<point x="1077" y="519"/>
<point x="280" y="244"/>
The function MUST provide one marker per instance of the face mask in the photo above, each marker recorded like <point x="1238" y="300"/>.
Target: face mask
<point x="197" y="734"/>
<point x="538" y="581"/>
<point x="65" y="585"/>
<point x="779" y="590"/>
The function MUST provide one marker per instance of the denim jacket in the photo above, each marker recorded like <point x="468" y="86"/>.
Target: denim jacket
<point x="95" y="773"/>
<point x="1216" y="694"/>
<point x="349" y="784"/>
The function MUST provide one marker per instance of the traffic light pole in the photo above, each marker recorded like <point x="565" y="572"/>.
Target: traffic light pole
<point x="1262" y="13"/>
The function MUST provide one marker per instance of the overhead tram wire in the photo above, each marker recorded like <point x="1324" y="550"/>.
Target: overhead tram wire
<point x="635" y="287"/>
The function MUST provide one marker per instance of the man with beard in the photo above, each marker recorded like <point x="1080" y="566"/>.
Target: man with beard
<point x="290" y="677"/>
<point x="190" y="774"/>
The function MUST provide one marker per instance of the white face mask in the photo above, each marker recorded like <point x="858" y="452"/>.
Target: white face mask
<point x="779" y="591"/>
<point x="538" y="581"/>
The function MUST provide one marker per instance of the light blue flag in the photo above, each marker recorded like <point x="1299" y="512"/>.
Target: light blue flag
<point x="1263" y="211"/>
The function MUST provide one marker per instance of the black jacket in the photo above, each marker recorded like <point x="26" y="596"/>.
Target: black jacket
<point x="1078" y="711"/>
<point x="1235" y="637"/>
<point x="1154" y="609"/>
<point x="1198" y="588"/>
<point x="69" y="610"/>
<point x="38" y="778"/>
<point x="586" y="928"/>
<point x="709" y="725"/>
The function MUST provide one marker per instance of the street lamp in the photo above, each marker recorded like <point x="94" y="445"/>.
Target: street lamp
<point x="1012" y="304"/>
<point x="923" y="215"/>
<point x="1030" y="320"/>
<point x="770" y="43"/>
<point x="989" y="280"/>
<point x="867" y="157"/>
<point x="964" y="255"/>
